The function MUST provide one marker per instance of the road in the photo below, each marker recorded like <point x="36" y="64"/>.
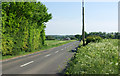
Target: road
<point x="50" y="61"/>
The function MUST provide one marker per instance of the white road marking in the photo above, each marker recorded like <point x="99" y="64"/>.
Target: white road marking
<point x="47" y="55"/>
<point x="56" y="51"/>
<point x="61" y="49"/>
<point x="26" y="63"/>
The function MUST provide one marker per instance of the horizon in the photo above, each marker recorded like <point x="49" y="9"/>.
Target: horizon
<point x="81" y="34"/>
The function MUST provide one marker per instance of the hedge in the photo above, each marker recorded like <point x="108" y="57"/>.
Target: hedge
<point x="23" y="25"/>
<point x="93" y="38"/>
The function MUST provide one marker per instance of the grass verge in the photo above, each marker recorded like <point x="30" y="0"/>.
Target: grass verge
<point x="95" y="58"/>
<point x="49" y="44"/>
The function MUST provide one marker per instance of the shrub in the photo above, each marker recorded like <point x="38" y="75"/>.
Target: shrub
<point x="23" y="26"/>
<point x="93" y="38"/>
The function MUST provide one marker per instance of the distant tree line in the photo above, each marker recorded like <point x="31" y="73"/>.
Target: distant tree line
<point x="60" y="37"/>
<point x="23" y="25"/>
<point x="112" y="35"/>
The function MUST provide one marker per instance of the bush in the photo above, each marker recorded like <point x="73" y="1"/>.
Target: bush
<point x="93" y="38"/>
<point x="23" y="26"/>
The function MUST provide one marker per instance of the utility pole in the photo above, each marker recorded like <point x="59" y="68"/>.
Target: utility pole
<point x="83" y="32"/>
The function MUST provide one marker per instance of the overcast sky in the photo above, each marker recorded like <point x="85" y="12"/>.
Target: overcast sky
<point x="99" y="16"/>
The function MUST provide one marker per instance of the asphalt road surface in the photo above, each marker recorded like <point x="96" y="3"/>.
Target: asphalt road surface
<point x="50" y="61"/>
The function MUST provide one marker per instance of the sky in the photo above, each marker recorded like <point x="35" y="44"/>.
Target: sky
<point x="99" y="16"/>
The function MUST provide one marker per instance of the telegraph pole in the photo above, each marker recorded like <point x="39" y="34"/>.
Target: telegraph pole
<point x="83" y="32"/>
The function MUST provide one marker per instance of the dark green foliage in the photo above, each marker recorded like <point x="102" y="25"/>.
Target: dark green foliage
<point x="73" y="38"/>
<point x="79" y="37"/>
<point x="60" y="37"/>
<point x="50" y="38"/>
<point x="112" y="35"/>
<point x="23" y="25"/>
<point x="93" y="38"/>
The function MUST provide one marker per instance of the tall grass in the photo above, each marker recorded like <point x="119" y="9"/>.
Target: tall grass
<point x="96" y="58"/>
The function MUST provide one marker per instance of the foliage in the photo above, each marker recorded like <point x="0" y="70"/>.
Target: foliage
<point x="48" y="44"/>
<point x="73" y="38"/>
<point x="79" y="37"/>
<point x="50" y="38"/>
<point x="112" y="35"/>
<point x="60" y="37"/>
<point x="93" y="38"/>
<point x="23" y="26"/>
<point x="95" y="58"/>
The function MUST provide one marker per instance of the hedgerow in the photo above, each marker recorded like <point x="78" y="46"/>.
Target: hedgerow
<point x="95" y="58"/>
<point x="23" y="25"/>
<point x="93" y="38"/>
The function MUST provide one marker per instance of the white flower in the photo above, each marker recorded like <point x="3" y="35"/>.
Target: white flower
<point x="116" y="64"/>
<point x="111" y="62"/>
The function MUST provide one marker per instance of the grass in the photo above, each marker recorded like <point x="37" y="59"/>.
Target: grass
<point x="49" y="44"/>
<point x="95" y="58"/>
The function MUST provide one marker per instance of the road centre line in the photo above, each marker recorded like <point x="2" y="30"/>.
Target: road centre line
<point x="26" y="64"/>
<point x="61" y="49"/>
<point x="47" y="55"/>
<point x="56" y="51"/>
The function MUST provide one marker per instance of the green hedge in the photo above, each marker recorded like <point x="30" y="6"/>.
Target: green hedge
<point x="93" y="38"/>
<point x="23" y="25"/>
